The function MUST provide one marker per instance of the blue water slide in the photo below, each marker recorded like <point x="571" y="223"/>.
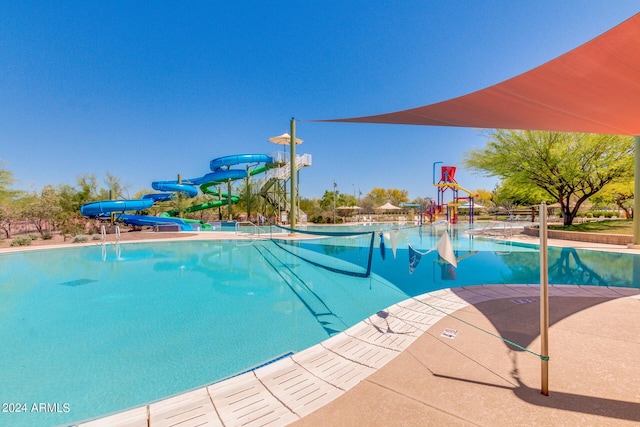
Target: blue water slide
<point x="220" y="176"/>
<point x="237" y="159"/>
<point x="188" y="187"/>
<point x="189" y="190"/>
<point x="152" y="221"/>
<point x="159" y="197"/>
<point x="109" y="206"/>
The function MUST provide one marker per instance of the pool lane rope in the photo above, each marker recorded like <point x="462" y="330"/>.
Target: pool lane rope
<point x="543" y="358"/>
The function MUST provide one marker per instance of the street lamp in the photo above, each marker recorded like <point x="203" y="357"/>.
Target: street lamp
<point x="335" y="185"/>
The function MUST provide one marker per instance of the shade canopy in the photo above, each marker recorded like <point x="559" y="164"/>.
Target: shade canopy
<point x="284" y="139"/>
<point x="388" y="207"/>
<point x="594" y="88"/>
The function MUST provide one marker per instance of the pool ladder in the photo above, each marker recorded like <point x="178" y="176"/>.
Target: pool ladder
<point x="103" y="235"/>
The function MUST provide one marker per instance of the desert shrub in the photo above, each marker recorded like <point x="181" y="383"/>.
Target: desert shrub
<point x="21" y="241"/>
<point x="96" y="237"/>
<point x="47" y="236"/>
<point x="79" y="238"/>
<point x="606" y="214"/>
<point x="33" y="236"/>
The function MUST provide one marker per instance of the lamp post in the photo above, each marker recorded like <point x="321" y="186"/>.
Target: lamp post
<point x="334" y="199"/>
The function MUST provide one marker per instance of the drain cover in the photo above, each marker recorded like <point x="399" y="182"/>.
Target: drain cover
<point x="449" y="333"/>
<point x="78" y="282"/>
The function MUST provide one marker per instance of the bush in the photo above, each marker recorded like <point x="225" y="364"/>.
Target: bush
<point x="33" y="236"/>
<point x="319" y="219"/>
<point x="79" y="238"/>
<point x="21" y="241"/>
<point x="606" y="214"/>
<point x="96" y="237"/>
<point x="47" y="236"/>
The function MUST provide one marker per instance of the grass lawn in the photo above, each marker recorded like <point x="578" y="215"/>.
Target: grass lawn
<point x="616" y="226"/>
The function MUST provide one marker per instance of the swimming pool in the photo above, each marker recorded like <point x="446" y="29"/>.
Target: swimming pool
<point x="103" y="329"/>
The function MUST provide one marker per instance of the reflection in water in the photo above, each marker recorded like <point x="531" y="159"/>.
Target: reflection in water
<point x="572" y="266"/>
<point x="568" y="268"/>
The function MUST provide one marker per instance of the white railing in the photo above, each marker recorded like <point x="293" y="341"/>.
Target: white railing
<point x="498" y="229"/>
<point x="282" y="173"/>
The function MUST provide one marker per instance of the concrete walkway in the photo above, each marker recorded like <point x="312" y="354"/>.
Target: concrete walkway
<point x="477" y="379"/>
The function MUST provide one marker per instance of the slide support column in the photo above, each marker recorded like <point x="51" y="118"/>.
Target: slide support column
<point x="293" y="204"/>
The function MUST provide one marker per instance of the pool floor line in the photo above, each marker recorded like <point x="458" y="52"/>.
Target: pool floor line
<point x="296" y="386"/>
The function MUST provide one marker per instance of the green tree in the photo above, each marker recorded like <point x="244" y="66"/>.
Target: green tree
<point x="380" y="196"/>
<point x="9" y="215"/>
<point x="114" y="189"/>
<point x="9" y="209"/>
<point x="618" y="193"/>
<point x="569" y="167"/>
<point x="43" y="210"/>
<point x="310" y="206"/>
<point x="484" y="198"/>
<point x="6" y="181"/>
<point x="510" y="195"/>
<point x="326" y="201"/>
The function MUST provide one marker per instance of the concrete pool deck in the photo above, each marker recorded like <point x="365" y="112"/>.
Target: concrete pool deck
<point x="397" y="368"/>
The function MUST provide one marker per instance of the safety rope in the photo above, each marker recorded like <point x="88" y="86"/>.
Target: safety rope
<point x="543" y="358"/>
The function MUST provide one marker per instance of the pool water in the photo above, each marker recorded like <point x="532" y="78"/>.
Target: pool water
<point x="103" y="329"/>
<point x="151" y="320"/>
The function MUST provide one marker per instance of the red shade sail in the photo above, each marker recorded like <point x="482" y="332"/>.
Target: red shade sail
<point x="594" y="88"/>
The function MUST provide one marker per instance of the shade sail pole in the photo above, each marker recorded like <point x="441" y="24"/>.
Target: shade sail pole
<point x="636" y="191"/>
<point x="544" y="302"/>
<point x="293" y="204"/>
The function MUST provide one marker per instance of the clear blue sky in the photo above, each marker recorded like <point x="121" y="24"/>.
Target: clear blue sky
<point x="146" y="90"/>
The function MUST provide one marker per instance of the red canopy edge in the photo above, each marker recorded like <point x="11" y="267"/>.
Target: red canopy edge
<point x="594" y="88"/>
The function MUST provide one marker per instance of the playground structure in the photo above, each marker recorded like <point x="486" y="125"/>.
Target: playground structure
<point x="275" y="167"/>
<point x="448" y="182"/>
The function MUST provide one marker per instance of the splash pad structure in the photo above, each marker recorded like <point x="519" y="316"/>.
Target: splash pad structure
<point x="448" y="182"/>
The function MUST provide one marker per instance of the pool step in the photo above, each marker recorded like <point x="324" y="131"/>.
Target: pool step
<point x="314" y="304"/>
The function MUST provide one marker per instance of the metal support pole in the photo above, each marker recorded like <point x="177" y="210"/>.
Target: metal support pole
<point x="334" y="200"/>
<point x="112" y="215"/>
<point x="248" y="187"/>
<point x="636" y="191"/>
<point x="179" y="197"/>
<point x="229" y="210"/>
<point x="544" y="301"/>
<point x="434" y="172"/>
<point x="220" y="205"/>
<point x="293" y="204"/>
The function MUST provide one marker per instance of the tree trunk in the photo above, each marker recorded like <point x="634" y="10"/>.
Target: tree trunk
<point x="567" y="215"/>
<point x="627" y="211"/>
